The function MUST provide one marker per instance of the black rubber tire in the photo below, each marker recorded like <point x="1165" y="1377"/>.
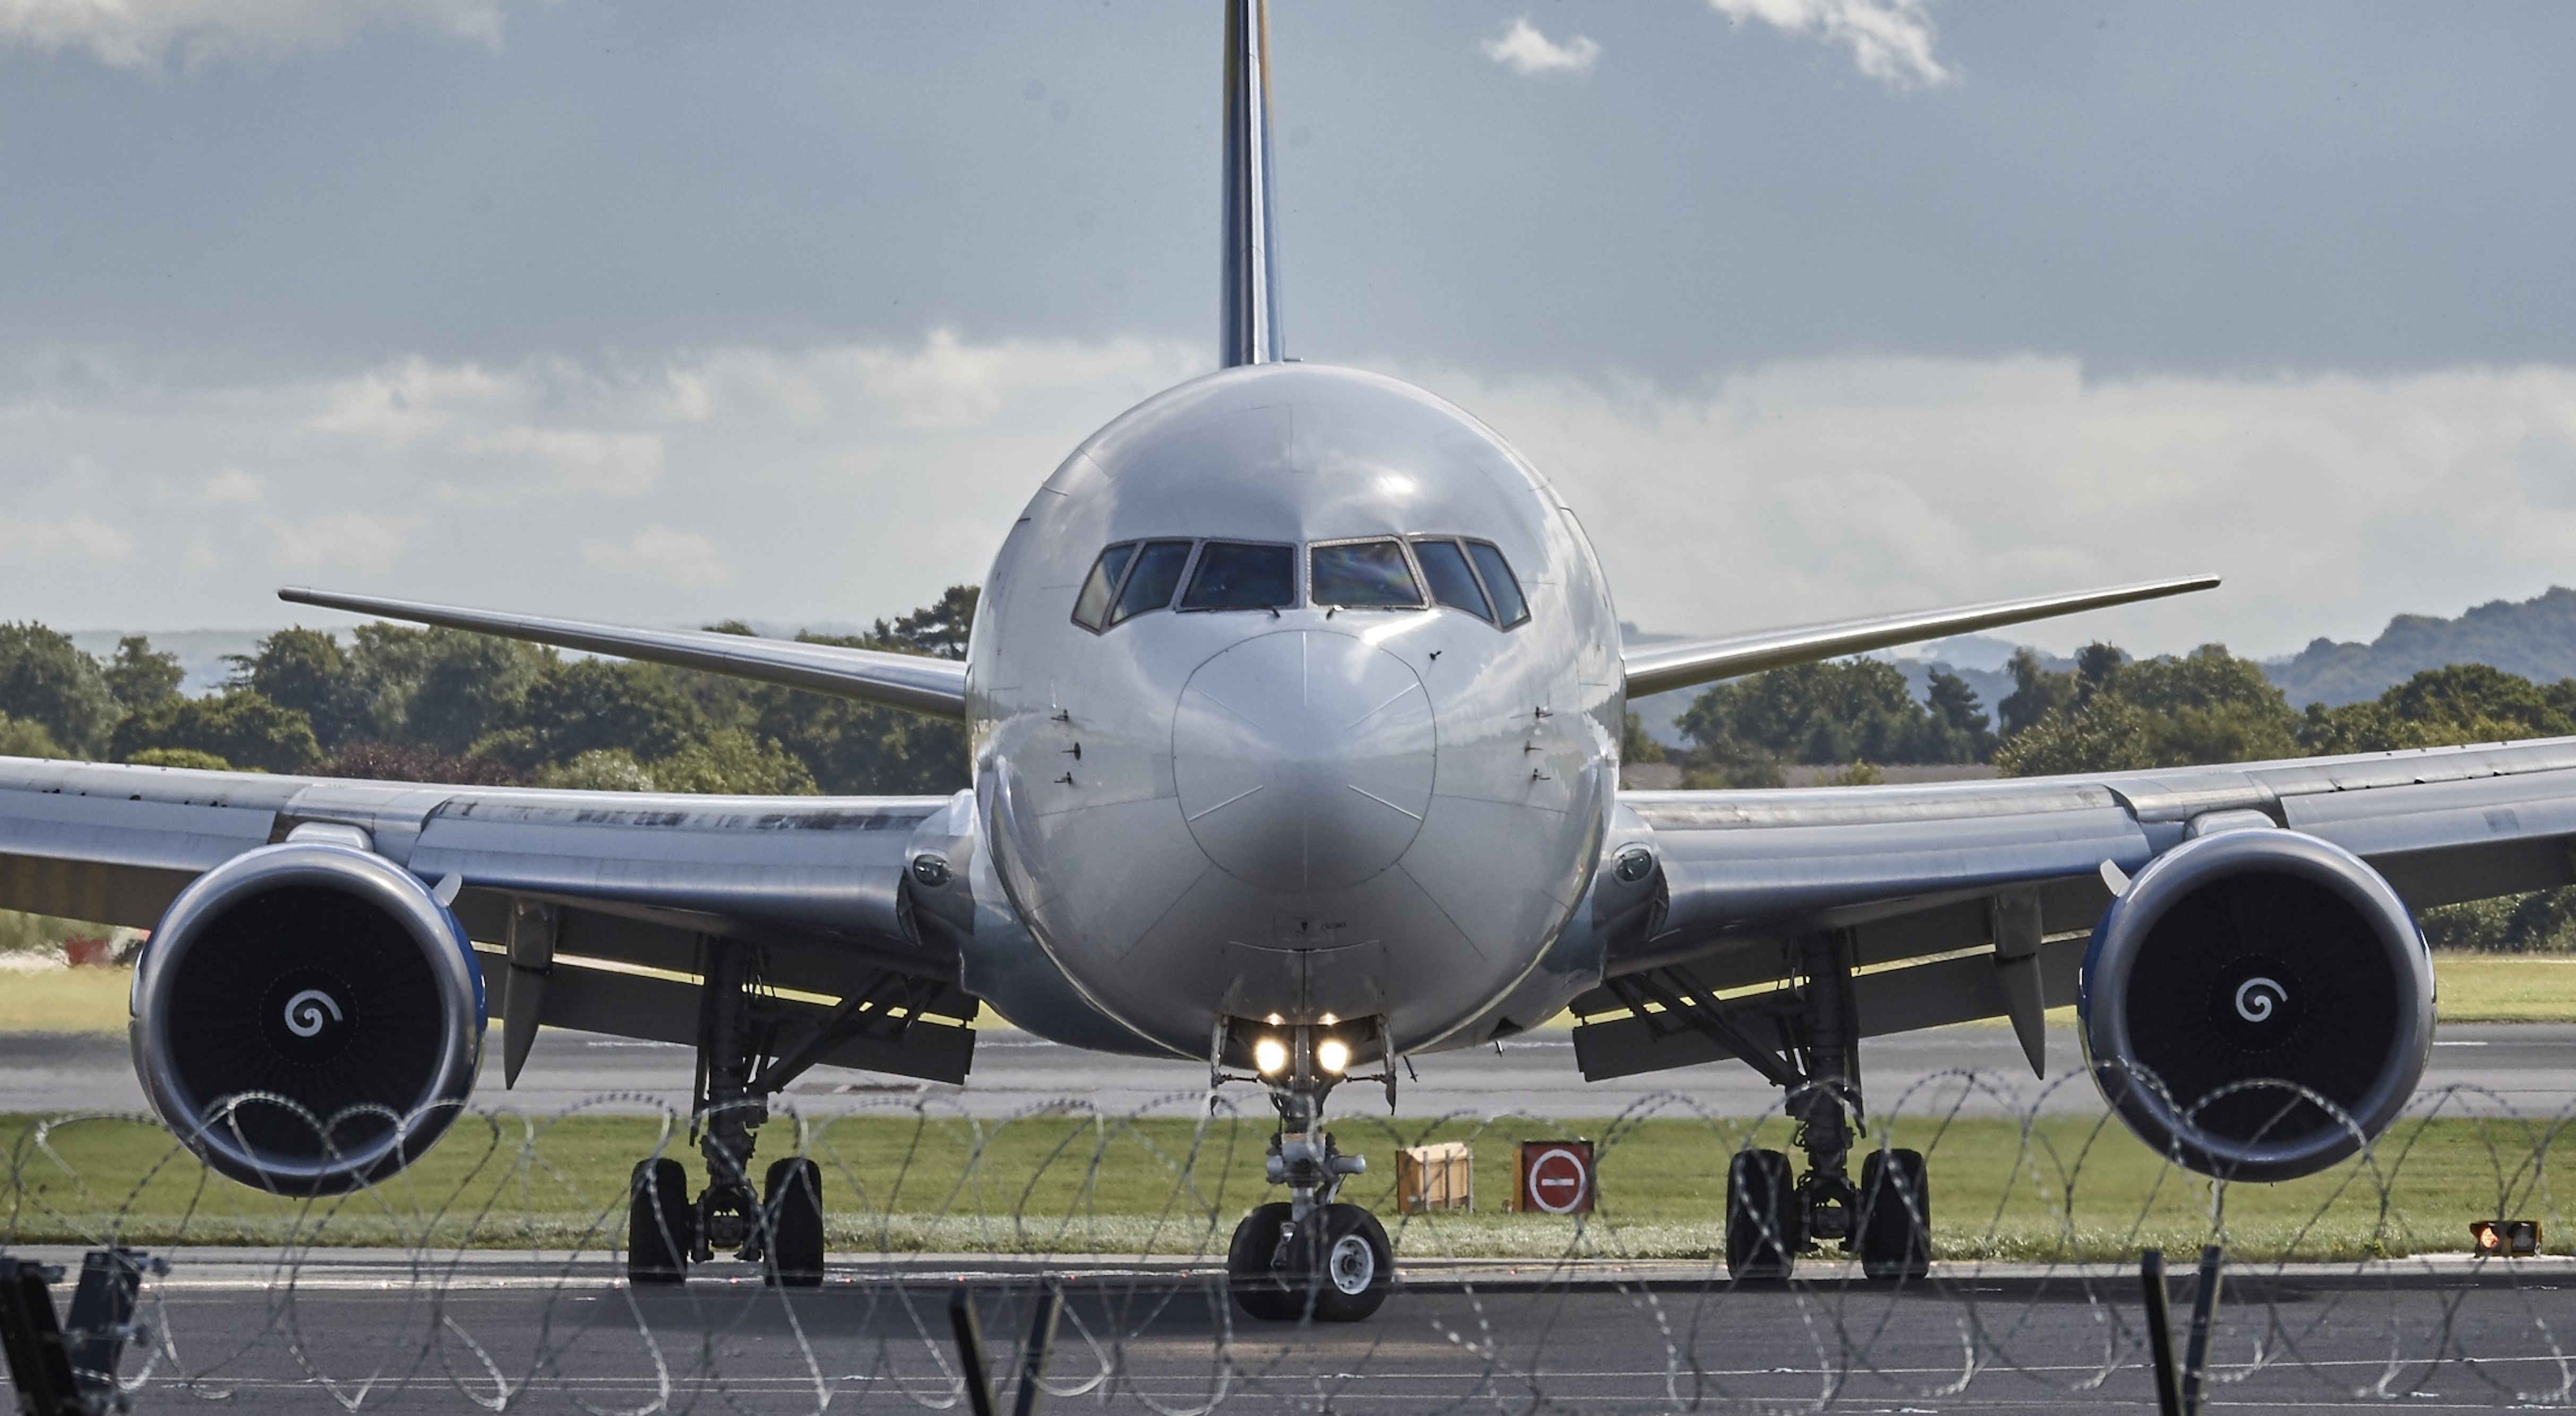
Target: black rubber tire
<point x="1763" y="1232"/>
<point x="792" y="1207"/>
<point x="1895" y="1220"/>
<point x="661" y="1223"/>
<point x="1265" y="1293"/>
<point x="1352" y="1267"/>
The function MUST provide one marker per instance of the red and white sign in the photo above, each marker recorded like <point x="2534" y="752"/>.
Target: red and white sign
<point x="1555" y="1177"/>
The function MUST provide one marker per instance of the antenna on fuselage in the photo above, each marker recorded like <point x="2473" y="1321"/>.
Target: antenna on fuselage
<point x="1249" y="332"/>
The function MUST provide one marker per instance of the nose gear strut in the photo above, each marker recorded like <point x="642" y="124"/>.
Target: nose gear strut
<point x="1312" y="1256"/>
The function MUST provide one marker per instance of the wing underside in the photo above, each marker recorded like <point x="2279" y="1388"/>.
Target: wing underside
<point x="1968" y="900"/>
<point x="592" y="910"/>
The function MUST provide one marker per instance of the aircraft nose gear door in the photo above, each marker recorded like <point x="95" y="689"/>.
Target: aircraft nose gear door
<point x="1311" y="1256"/>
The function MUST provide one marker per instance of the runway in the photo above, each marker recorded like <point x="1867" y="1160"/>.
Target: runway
<point x="366" y="1331"/>
<point x="2530" y="1067"/>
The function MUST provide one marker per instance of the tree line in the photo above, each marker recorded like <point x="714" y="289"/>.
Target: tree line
<point x="440" y="705"/>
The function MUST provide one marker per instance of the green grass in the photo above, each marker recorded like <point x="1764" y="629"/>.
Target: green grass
<point x="2069" y="1189"/>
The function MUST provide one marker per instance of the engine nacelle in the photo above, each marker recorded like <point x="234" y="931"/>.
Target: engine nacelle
<point x="2241" y="980"/>
<point x="307" y="1018"/>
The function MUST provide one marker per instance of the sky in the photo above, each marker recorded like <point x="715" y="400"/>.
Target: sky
<point x="669" y="313"/>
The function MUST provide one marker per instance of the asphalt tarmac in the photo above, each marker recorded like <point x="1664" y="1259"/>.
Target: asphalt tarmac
<point x="366" y="1331"/>
<point x="2529" y="1068"/>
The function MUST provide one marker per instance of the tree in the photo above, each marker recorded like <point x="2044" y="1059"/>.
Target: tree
<point x="238" y="725"/>
<point x="1954" y="706"/>
<point x="938" y="629"/>
<point x="2037" y="692"/>
<point x="2463" y="703"/>
<point x="2170" y="711"/>
<point x="140" y="678"/>
<point x="730" y="760"/>
<point x="1635" y="744"/>
<point x="584" y="705"/>
<point x="20" y="737"/>
<point x="45" y="679"/>
<point x="305" y="670"/>
<point x="1835" y="712"/>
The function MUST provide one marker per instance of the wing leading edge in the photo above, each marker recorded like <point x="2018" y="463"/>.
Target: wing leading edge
<point x="936" y="686"/>
<point x="1661" y="667"/>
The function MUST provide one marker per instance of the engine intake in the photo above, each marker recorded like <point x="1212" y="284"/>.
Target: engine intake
<point x="307" y="1018"/>
<point x="2257" y="1004"/>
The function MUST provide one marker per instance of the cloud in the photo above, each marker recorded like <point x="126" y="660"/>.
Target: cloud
<point x="1813" y="490"/>
<point x="1524" y="50"/>
<point x="134" y="34"/>
<point x="833" y="484"/>
<point x="1890" y="40"/>
<point x="658" y="552"/>
<point x="837" y="484"/>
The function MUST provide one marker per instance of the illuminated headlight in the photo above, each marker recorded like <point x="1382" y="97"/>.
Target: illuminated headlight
<point x="1333" y="1055"/>
<point x="1269" y="1055"/>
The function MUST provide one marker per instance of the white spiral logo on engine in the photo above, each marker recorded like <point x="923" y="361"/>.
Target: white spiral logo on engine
<point x="2256" y="997"/>
<point x="304" y="1011"/>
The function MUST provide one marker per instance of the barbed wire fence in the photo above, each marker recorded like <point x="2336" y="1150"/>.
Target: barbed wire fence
<point x="489" y="1276"/>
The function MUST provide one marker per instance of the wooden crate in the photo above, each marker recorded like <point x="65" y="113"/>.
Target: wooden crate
<point x="1441" y="1176"/>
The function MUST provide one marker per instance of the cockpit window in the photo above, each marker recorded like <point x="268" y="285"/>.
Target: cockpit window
<point x="1150" y="585"/>
<point x="1509" y="606"/>
<point x="1233" y="575"/>
<point x="1091" y="607"/>
<point x="1452" y="583"/>
<point x="1364" y="575"/>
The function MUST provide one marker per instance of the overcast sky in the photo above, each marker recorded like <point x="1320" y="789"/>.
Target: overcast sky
<point x="667" y="313"/>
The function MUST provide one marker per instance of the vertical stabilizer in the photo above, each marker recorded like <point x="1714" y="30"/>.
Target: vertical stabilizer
<point x="1249" y="333"/>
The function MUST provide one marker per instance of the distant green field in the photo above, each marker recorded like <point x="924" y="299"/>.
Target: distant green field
<point x="2071" y="1189"/>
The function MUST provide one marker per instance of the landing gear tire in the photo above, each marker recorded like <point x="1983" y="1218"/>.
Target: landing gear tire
<point x="792" y="1205"/>
<point x="1338" y="1276"/>
<point x="1895" y="1220"/>
<point x="1763" y="1229"/>
<point x="1263" y="1287"/>
<point x="661" y="1224"/>
<point x="1351" y="1273"/>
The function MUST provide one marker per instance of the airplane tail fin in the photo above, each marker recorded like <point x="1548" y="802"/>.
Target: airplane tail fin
<point x="1249" y="331"/>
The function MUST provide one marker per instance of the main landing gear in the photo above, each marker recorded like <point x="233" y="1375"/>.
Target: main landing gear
<point x="1771" y="1218"/>
<point x="1311" y="1256"/>
<point x="781" y="1227"/>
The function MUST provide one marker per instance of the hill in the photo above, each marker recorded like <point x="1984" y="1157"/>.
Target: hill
<point x="2534" y="638"/>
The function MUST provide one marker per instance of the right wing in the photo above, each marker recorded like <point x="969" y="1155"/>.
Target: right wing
<point x="872" y="676"/>
<point x="1929" y="881"/>
<point x="591" y="908"/>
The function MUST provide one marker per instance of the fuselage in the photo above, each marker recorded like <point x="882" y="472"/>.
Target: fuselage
<point x="1295" y="805"/>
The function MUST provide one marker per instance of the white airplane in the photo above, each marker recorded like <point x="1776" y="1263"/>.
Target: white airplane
<point x="1295" y="700"/>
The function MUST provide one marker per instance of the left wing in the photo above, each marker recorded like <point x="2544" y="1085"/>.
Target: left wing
<point x="1976" y="899"/>
<point x="590" y="907"/>
<point x="1661" y="667"/>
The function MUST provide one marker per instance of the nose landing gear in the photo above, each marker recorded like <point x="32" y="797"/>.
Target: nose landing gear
<point x="1311" y="1256"/>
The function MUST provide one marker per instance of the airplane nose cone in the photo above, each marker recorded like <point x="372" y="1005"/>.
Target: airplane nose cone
<point x="1303" y="759"/>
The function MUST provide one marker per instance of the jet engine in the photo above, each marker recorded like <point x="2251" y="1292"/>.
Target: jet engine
<point x="307" y="1017"/>
<point x="2257" y="1004"/>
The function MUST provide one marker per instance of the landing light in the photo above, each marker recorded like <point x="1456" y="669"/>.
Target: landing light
<point x="1333" y="1055"/>
<point x="1269" y="1055"/>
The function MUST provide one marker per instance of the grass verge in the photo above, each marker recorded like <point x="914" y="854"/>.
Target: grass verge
<point x="2062" y="1189"/>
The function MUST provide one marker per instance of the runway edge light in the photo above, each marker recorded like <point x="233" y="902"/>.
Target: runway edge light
<point x="2508" y="1238"/>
